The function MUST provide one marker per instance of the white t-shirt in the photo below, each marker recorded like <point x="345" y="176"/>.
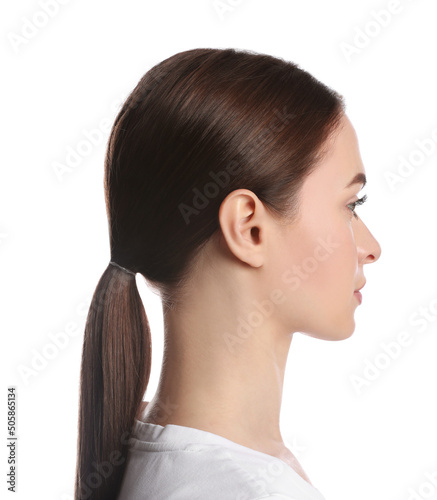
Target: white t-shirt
<point x="175" y="462"/>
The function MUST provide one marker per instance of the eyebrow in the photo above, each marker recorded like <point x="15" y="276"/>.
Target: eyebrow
<point x="358" y="179"/>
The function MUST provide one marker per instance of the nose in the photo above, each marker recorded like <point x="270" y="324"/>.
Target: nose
<point x="368" y="248"/>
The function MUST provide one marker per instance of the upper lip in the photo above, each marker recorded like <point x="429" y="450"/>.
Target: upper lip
<point x="360" y="287"/>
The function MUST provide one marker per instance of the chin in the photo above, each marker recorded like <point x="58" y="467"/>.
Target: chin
<point x="346" y="331"/>
<point x="335" y="330"/>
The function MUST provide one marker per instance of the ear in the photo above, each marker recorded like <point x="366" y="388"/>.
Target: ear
<point x="242" y="221"/>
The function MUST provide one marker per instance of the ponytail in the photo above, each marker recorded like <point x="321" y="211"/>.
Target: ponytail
<point x="115" y="370"/>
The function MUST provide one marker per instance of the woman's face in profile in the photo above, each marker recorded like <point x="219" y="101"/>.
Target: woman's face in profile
<point x="321" y="256"/>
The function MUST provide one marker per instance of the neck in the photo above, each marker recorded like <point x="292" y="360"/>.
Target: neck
<point x="215" y="380"/>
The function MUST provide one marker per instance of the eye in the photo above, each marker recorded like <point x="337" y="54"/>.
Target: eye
<point x="354" y="204"/>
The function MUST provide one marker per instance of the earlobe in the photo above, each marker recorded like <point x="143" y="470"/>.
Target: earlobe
<point x="240" y="216"/>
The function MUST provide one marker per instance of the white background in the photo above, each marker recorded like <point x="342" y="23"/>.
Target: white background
<point x="71" y="73"/>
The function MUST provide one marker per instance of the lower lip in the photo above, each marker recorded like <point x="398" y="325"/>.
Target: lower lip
<point x="358" y="296"/>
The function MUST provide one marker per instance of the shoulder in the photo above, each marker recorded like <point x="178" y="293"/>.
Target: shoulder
<point x="186" y="468"/>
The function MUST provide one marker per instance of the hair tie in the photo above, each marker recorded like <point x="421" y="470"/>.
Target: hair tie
<point x="123" y="268"/>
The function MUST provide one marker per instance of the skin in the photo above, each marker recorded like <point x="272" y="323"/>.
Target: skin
<point x="234" y="388"/>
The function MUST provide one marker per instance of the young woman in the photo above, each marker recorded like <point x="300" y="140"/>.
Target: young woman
<point x="231" y="184"/>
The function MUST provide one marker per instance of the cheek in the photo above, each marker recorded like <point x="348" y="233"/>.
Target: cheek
<point x="338" y="271"/>
<point x="330" y="262"/>
<point x="316" y="260"/>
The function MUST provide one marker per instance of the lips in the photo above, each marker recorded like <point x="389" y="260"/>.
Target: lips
<point x="358" y="296"/>
<point x="358" y="289"/>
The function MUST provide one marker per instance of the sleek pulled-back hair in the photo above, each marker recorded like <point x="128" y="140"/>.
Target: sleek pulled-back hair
<point x="197" y="126"/>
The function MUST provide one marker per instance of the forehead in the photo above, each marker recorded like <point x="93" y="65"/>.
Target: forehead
<point x="340" y="164"/>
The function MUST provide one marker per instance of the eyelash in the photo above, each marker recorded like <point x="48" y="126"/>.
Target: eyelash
<point x="355" y="204"/>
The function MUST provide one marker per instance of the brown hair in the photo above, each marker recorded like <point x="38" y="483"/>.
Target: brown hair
<point x="197" y="126"/>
